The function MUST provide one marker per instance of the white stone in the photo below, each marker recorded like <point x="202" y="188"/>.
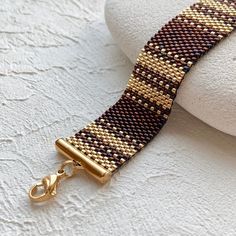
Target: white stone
<point x="209" y="89"/>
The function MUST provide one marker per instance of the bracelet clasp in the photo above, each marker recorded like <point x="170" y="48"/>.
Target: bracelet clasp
<point x="47" y="187"/>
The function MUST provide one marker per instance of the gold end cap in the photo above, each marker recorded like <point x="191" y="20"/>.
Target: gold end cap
<point x="93" y="168"/>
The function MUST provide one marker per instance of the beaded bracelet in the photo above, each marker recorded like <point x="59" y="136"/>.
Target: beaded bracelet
<point x="109" y="142"/>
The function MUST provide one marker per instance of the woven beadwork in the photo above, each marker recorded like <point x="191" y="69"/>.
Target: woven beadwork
<point x="143" y="109"/>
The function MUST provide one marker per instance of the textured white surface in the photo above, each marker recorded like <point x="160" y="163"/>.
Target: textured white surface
<point x="209" y="90"/>
<point x="59" y="70"/>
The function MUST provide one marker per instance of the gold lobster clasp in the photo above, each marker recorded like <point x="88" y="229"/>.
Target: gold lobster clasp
<point x="49" y="184"/>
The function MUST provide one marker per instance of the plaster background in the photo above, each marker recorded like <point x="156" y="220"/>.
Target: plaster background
<point x="60" y="69"/>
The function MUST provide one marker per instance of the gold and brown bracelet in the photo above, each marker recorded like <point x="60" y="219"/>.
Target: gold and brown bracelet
<point x="109" y="142"/>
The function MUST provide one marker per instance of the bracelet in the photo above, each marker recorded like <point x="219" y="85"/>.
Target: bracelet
<point x="109" y="142"/>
